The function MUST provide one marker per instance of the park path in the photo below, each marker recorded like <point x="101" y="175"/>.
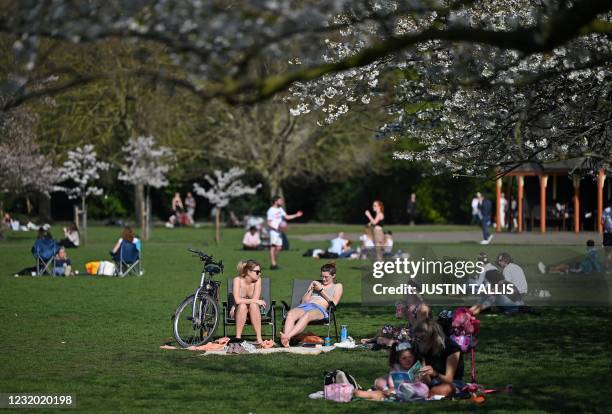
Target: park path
<point x="551" y="238"/>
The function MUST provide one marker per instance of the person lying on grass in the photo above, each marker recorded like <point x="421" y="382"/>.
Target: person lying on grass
<point x="590" y="264"/>
<point x="412" y="309"/>
<point x="246" y="294"/>
<point x="404" y="370"/>
<point x="443" y="370"/>
<point x="314" y="303"/>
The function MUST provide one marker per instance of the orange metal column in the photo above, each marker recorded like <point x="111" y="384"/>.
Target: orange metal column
<point x="521" y="186"/>
<point x="543" y="182"/>
<point x="576" y="181"/>
<point x="498" y="204"/>
<point x="601" y="178"/>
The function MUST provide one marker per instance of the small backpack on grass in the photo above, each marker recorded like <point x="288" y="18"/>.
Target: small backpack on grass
<point x="340" y="377"/>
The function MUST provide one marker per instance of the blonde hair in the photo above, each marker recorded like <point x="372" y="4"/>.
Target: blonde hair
<point x="434" y="335"/>
<point x="244" y="266"/>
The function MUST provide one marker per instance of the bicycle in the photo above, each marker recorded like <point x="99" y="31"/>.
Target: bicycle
<point x="196" y="318"/>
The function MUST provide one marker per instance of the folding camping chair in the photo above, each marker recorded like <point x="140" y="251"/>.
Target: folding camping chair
<point x="44" y="251"/>
<point x="299" y="289"/>
<point x="127" y="259"/>
<point x="268" y="313"/>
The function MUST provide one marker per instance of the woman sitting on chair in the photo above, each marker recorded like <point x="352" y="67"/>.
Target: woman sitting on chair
<point x="127" y="234"/>
<point x="246" y="293"/>
<point x="314" y="303"/>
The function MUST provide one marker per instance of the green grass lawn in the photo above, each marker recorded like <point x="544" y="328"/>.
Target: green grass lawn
<point x="99" y="338"/>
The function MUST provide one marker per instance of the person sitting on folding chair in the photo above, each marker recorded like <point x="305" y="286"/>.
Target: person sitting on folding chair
<point x="246" y="294"/>
<point x="44" y="251"/>
<point x="314" y="305"/>
<point x="128" y="255"/>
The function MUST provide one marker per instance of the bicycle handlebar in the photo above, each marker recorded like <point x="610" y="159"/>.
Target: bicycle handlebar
<point x="207" y="259"/>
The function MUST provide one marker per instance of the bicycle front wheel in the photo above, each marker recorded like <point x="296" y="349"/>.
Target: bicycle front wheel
<point x="194" y="328"/>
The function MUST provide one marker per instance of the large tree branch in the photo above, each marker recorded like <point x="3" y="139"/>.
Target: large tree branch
<point x="558" y="30"/>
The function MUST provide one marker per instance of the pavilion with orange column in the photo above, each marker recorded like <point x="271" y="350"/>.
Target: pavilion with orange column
<point x="543" y="172"/>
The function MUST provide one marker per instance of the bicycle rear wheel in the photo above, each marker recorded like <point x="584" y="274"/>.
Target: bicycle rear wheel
<point x="195" y="329"/>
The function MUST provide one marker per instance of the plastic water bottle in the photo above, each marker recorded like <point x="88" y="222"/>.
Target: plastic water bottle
<point x="343" y="334"/>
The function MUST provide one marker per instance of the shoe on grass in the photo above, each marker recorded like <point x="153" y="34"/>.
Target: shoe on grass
<point x="274" y="267"/>
<point x="542" y="267"/>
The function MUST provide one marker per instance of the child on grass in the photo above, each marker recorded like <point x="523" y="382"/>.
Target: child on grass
<point x="403" y="382"/>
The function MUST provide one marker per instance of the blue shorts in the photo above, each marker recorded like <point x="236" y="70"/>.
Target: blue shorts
<point x="313" y="306"/>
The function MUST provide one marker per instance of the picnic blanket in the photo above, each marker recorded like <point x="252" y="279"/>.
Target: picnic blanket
<point x="302" y="350"/>
<point x="222" y="346"/>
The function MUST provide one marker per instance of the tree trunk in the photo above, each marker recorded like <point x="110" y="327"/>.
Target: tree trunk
<point x="147" y="215"/>
<point x="44" y="207"/>
<point x="84" y="221"/>
<point x="217" y="225"/>
<point x="276" y="188"/>
<point x="139" y="208"/>
<point x="77" y="220"/>
<point x="28" y="206"/>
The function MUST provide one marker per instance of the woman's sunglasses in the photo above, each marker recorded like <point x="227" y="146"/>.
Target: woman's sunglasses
<point x="256" y="271"/>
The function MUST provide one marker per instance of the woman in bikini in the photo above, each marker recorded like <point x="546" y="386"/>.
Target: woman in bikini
<point x="376" y="222"/>
<point x="314" y="303"/>
<point x="247" y="302"/>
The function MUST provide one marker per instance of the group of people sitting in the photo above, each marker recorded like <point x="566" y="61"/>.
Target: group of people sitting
<point x="182" y="212"/>
<point x="508" y="273"/>
<point x="342" y="248"/>
<point x="314" y="305"/>
<point x="420" y="353"/>
<point x="45" y="248"/>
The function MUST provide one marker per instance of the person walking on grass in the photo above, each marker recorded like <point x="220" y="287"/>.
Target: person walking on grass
<point x="484" y="208"/>
<point x="277" y="218"/>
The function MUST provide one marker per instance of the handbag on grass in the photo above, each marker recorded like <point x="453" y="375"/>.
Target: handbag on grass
<point x="339" y="392"/>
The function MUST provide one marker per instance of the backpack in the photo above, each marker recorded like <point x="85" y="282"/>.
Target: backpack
<point x="340" y="377"/>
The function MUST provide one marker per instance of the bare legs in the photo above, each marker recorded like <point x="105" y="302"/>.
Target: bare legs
<point x="295" y="323"/>
<point x="252" y="310"/>
<point x="274" y="253"/>
<point x="379" y="242"/>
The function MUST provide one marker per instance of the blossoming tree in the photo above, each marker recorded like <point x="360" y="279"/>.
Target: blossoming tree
<point x="80" y="171"/>
<point x="224" y="187"/>
<point x="146" y="167"/>
<point x="463" y="74"/>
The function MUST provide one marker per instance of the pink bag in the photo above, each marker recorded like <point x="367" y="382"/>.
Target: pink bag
<point x="341" y="392"/>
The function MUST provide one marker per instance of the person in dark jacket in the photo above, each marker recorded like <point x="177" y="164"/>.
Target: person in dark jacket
<point x="485" y="208"/>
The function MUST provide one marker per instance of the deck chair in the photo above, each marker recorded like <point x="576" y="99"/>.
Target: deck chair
<point x="127" y="259"/>
<point x="44" y="251"/>
<point x="268" y="314"/>
<point x="299" y="288"/>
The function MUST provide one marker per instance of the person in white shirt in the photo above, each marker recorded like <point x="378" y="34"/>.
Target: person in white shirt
<point x="475" y="211"/>
<point x="513" y="273"/>
<point x="338" y="244"/>
<point x="72" y="237"/>
<point x="503" y="207"/>
<point x="277" y="218"/>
